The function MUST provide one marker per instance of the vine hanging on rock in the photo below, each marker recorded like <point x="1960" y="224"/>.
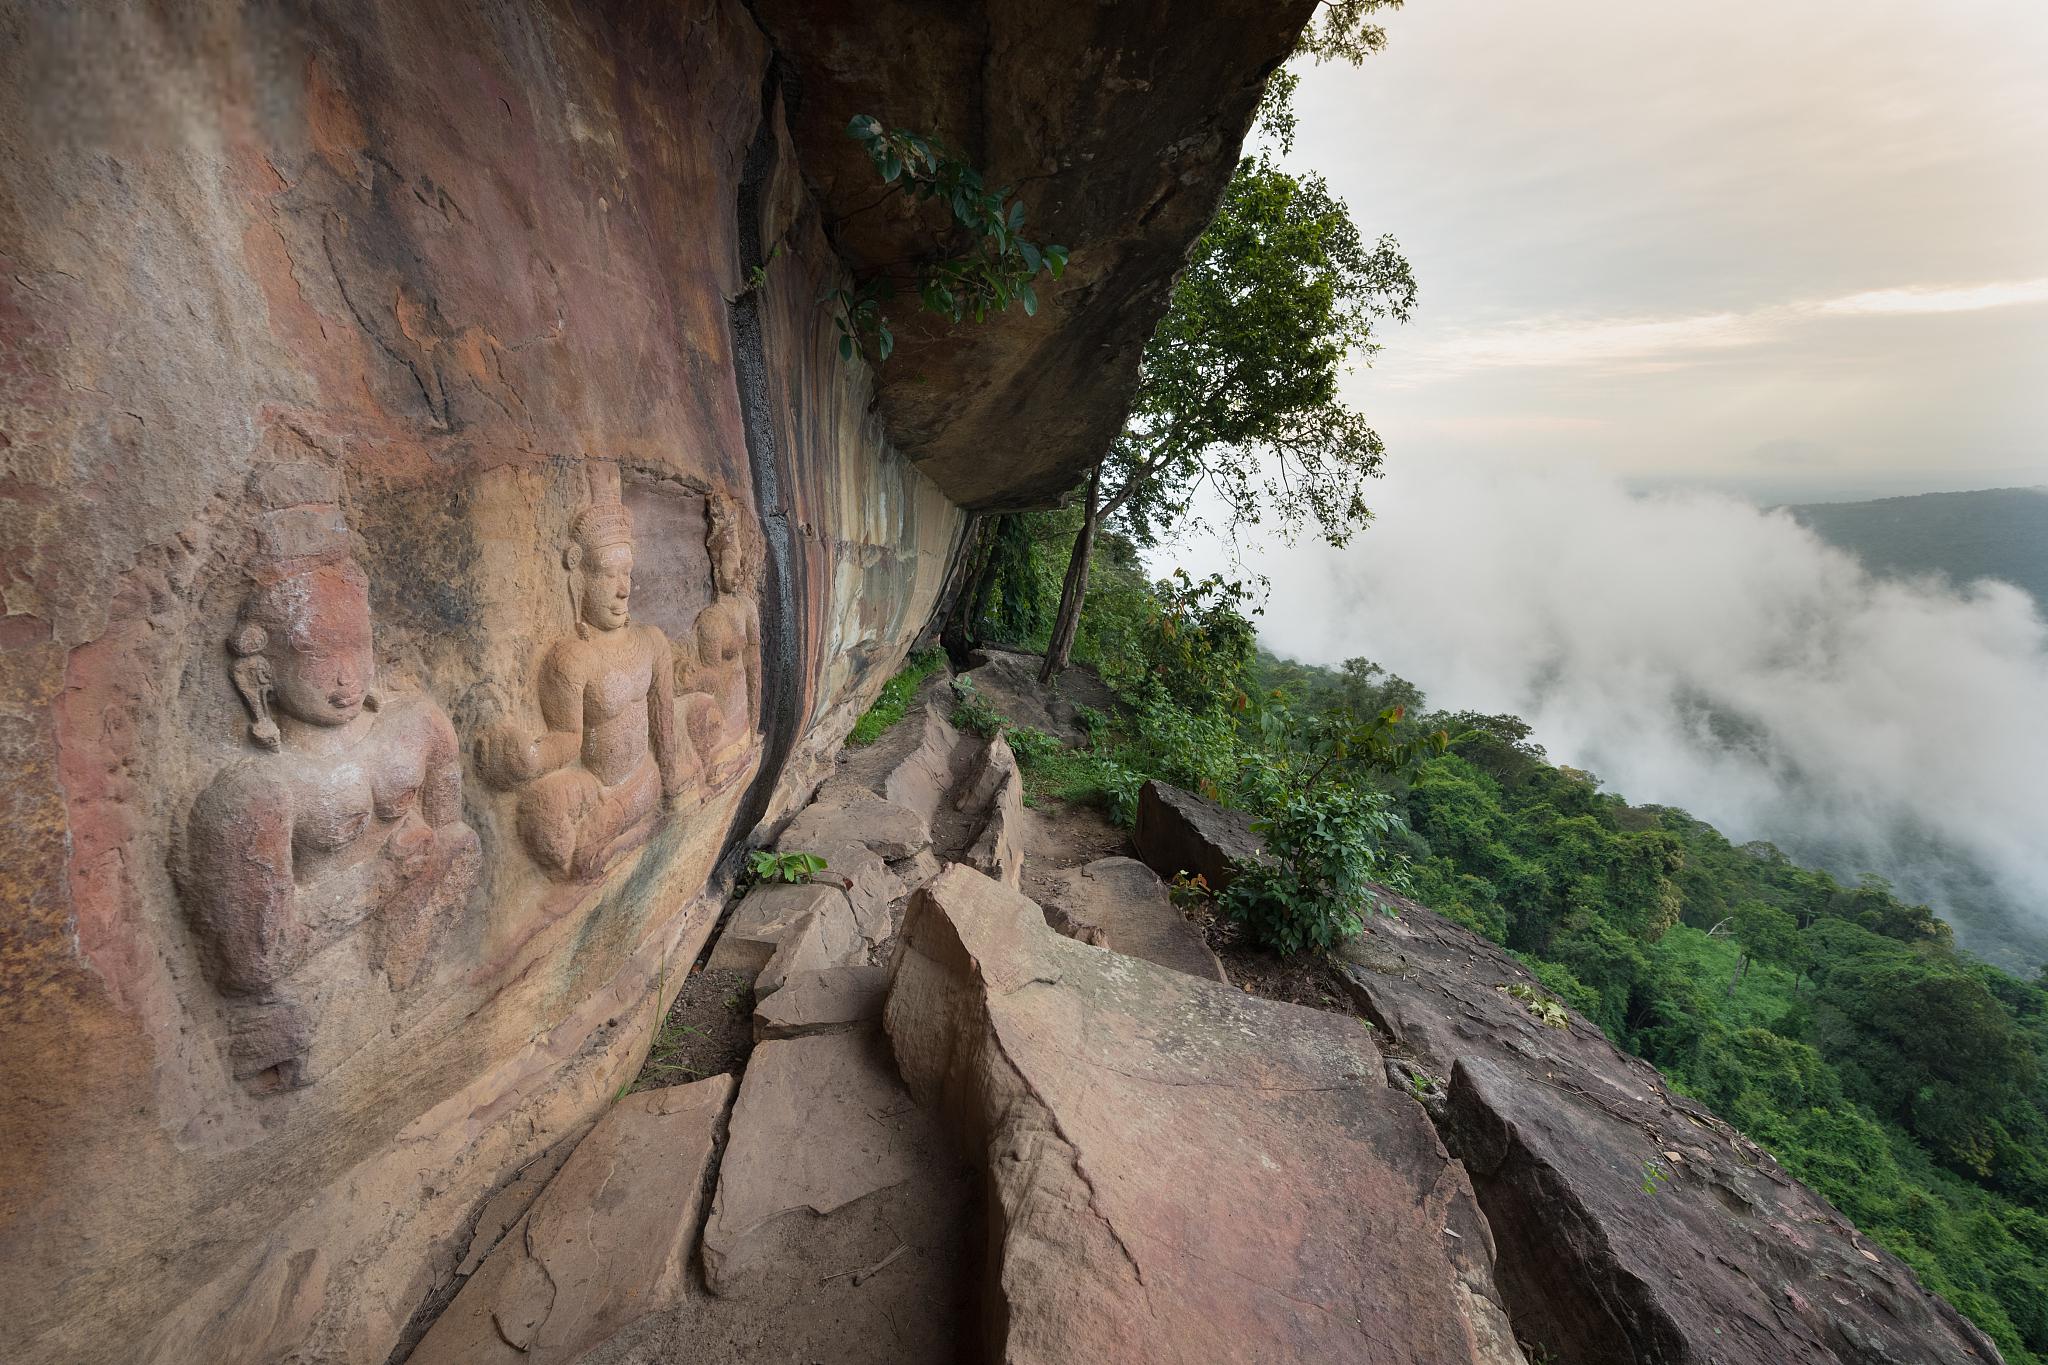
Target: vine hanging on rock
<point x="985" y="265"/>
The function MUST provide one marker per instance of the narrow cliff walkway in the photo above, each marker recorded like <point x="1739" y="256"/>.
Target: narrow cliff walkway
<point x="963" y="1135"/>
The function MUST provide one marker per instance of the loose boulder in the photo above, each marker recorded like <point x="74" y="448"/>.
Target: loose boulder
<point x="827" y="1001"/>
<point x="1178" y="1171"/>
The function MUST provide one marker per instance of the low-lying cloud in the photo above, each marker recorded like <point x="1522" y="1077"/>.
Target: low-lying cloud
<point x="1697" y="651"/>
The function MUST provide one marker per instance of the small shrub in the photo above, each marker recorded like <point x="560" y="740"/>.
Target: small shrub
<point x="1188" y="892"/>
<point x="769" y="866"/>
<point x="972" y="711"/>
<point x="1323" y="852"/>
<point x="1547" y="1011"/>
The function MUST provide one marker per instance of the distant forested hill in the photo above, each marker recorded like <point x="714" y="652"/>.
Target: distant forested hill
<point x="1992" y="533"/>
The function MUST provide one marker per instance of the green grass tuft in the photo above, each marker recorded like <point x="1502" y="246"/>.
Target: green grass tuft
<point x="895" y="697"/>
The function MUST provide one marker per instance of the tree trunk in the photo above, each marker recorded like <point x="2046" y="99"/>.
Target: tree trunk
<point x="1067" y="623"/>
<point x="1741" y="970"/>
<point x="957" y="632"/>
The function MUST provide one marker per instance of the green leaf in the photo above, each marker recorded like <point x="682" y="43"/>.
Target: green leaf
<point x="1032" y="260"/>
<point x="1030" y="297"/>
<point x="885" y="342"/>
<point x="846" y="348"/>
<point x="1017" y="215"/>
<point x="1056" y="260"/>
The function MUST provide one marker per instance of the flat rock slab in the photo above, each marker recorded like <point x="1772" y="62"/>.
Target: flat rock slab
<point x="1729" y="1262"/>
<point x="1181" y="831"/>
<point x="822" y="1002"/>
<point x="820" y="1122"/>
<point x="1180" y="1172"/>
<point x="847" y="814"/>
<point x="1127" y="902"/>
<point x="607" y="1241"/>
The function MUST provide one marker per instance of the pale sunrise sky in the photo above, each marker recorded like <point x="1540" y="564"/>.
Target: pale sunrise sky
<point x="1791" y="250"/>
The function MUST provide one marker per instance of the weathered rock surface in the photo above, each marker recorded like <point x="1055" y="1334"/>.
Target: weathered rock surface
<point x="821" y="1122"/>
<point x="1729" y="1261"/>
<point x="1127" y="903"/>
<point x="817" y="941"/>
<point x="1180" y="831"/>
<point x="826" y="1001"/>
<point x="890" y="1278"/>
<point x="843" y="816"/>
<point x="929" y="769"/>
<point x="381" y="333"/>
<point x="993" y="794"/>
<point x="607" y="1242"/>
<point x="1121" y="123"/>
<point x="1178" y="1171"/>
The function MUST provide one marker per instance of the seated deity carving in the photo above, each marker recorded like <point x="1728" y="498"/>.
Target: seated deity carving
<point x="350" y="817"/>
<point x="595" y="781"/>
<point x="719" y="668"/>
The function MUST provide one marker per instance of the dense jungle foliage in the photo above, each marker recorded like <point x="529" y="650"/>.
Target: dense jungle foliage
<point x="1834" y="1023"/>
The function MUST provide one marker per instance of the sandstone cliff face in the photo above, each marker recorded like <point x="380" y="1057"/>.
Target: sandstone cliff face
<point x="427" y="550"/>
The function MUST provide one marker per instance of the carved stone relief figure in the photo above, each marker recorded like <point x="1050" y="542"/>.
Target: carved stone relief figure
<point x="595" y="780"/>
<point x="721" y="665"/>
<point x="350" y="817"/>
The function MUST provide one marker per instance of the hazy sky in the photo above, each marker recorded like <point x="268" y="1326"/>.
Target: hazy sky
<point x="1793" y="250"/>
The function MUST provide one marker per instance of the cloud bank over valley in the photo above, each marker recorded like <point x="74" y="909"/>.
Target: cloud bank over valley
<point x="1695" y="650"/>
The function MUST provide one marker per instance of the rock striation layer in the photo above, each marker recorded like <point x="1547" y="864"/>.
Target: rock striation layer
<point x="1178" y="1171"/>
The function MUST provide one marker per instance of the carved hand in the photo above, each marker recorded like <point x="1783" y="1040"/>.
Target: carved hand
<point x="507" y="757"/>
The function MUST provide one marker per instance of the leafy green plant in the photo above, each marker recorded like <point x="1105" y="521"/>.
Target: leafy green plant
<point x="1323" y="847"/>
<point x="1653" y="1176"/>
<point x="769" y="866"/>
<point x="1188" y="892"/>
<point x="972" y="711"/>
<point x="1032" y="745"/>
<point x="1547" y="1011"/>
<point x="894" y="698"/>
<point x="988" y="264"/>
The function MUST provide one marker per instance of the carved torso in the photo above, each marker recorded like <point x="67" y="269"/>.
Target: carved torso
<point x="613" y="671"/>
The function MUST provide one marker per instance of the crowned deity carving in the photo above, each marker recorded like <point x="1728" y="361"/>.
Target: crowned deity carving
<point x="595" y="780"/>
<point x="719" y="668"/>
<point x="349" y="816"/>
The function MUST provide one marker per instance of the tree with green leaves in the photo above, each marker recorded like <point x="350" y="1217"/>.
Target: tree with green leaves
<point x="1238" y="388"/>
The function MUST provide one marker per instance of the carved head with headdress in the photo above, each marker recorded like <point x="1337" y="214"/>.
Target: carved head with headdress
<point x="600" y="553"/>
<point x="303" y="644"/>
<point x="726" y="541"/>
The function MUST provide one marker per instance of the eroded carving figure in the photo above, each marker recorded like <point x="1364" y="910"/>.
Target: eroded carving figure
<point x="351" y="818"/>
<point x="720" y="668"/>
<point x="596" y="779"/>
